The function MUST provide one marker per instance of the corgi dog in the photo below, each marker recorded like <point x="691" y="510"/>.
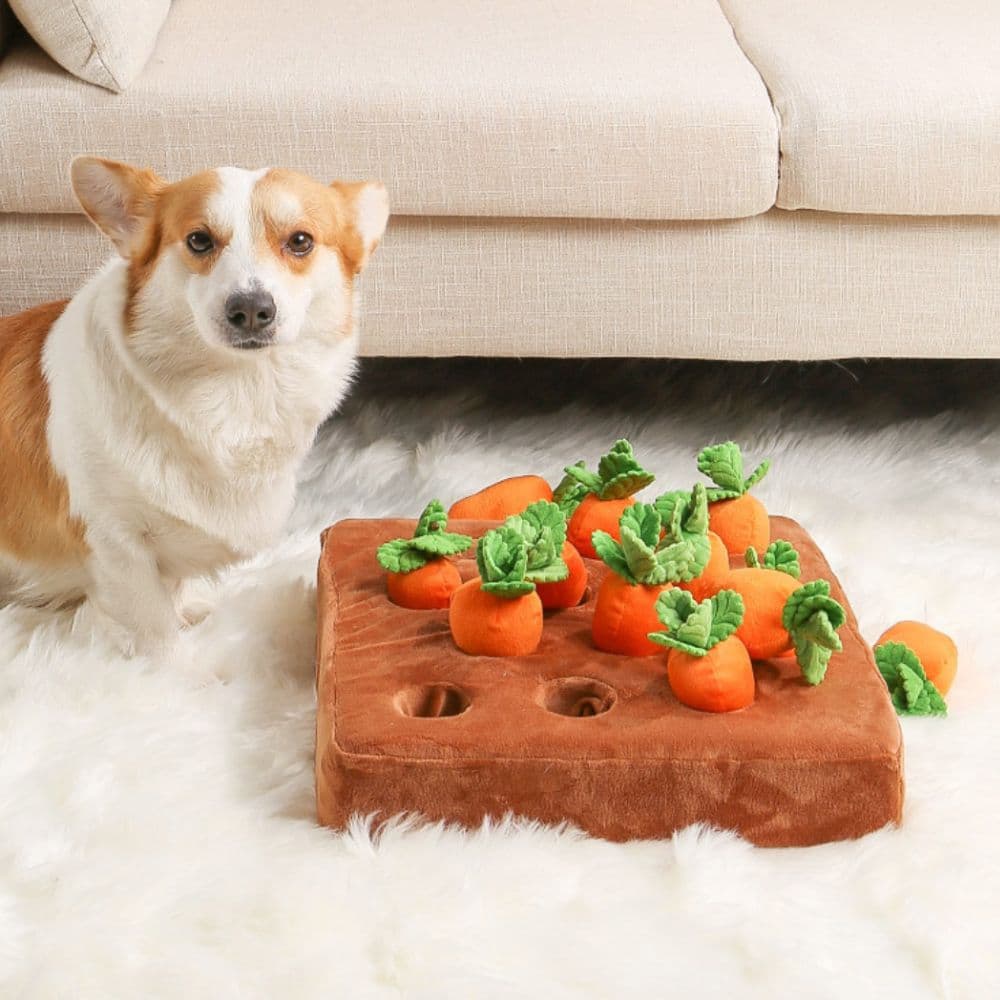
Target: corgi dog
<point x="152" y="426"/>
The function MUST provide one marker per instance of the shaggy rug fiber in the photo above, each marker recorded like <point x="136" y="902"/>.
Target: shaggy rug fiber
<point x="156" y="818"/>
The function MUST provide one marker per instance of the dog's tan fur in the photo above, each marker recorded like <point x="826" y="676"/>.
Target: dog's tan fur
<point x="35" y="523"/>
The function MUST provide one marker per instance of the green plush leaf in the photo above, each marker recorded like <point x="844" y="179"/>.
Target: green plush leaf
<point x="502" y="558"/>
<point x="727" y="614"/>
<point x="618" y="476"/>
<point x="890" y="656"/>
<point x="621" y="475"/>
<point x="686" y="518"/>
<point x="910" y="689"/>
<point x="935" y="703"/>
<point x="398" y="556"/>
<point x="569" y="494"/>
<point x="696" y="631"/>
<point x="674" y="607"/>
<point x="812" y="660"/>
<point x="693" y="509"/>
<point x="434" y="518"/>
<point x="757" y="475"/>
<point x="751" y="559"/>
<point x="643" y="556"/>
<point x="578" y="475"/>
<point x="694" y="520"/>
<point x="665" y="503"/>
<point x="542" y="525"/>
<point x="782" y="556"/>
<point x="440" y="544"/>
<point x="672" y="559"/>
<point x="812" y="618"/>
<point x="678" y="562"/>
<point x="694" y="627"/>
<point x="643" y="520"/>
<point x="612" y="554"/>
<point x="723" y="464"/>
<point x="430" y="541"/>
<point x="640" y="556"/>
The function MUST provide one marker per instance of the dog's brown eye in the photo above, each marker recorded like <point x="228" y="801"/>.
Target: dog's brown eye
<point x="300" y="244"/>
<point x="199" y="242"/>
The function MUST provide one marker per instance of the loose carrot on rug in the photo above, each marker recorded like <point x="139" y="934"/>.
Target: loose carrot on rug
<point x="595" y="501"/>
<point x="708" y="667"/>
<point x="937" y="652"/>
<point x="911" y="690"/>
<point x="419" y="575"/>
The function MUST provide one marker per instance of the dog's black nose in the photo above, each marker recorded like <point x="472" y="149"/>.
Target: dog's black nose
<point x="250" y="312"/>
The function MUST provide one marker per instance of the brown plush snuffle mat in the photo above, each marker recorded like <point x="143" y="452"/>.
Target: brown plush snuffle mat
<point x="407" y="723"/>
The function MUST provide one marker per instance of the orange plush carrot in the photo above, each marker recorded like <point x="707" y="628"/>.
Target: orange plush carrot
<point x="502" y="499"/>
<point x="708" y="667"/>
<point x="780" y="615"/>
<point x="419" y="575"/>
<point x="712" y="577"/>
<point x="738" y="518"/>
<point x="936" y="651"/>
<point x="595" y="501"/>
<point x="643" y="566"/>
<point x="426" y="588"/>
<point x="569" y="592"/>
<point x="498" y="613"/>
<point x="694" y="526"/>
<point x="554" y="566"/>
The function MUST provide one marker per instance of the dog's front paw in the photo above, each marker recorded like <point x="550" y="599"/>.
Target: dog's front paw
<point x="131" y="642"/>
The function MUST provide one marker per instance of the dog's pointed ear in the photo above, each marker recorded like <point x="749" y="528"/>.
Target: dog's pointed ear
<point x="366" y="210"/>
<point x="118" y="198"/>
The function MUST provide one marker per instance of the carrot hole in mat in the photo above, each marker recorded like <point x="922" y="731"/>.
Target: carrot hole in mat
<point x="432" y="701"/>
<point x="577" y="697"/>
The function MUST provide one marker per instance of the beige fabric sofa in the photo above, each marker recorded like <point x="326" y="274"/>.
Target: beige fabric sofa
<point x="741" y="179"/>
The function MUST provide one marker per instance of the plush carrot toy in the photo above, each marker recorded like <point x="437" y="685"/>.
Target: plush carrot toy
<point x="911" y="690"/>
<point x="694" y="525"/>
<point x="936" y="651"/>
<point x="780" y="615"/>
<point x="502" y="499"/>
<point x="707" y="665"/>
<point x="554" y="566"/>
<point x="738" y="518"/>
<point x="419" y="575"/>
<point x="569" y="592"/>
<point x="596" y="500"/>
<point x="498" y="613"/>
<point x="643" y="565"/>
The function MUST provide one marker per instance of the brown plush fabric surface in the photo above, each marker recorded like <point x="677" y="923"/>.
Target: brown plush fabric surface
<point x="408" y="723"/>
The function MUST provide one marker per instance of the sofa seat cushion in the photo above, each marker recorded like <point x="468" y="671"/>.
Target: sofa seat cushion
<point x="570" y="108"/>
<point x="890" y="107"/>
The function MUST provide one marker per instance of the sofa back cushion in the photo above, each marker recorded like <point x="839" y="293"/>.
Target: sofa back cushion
<point x="106" y="42"/>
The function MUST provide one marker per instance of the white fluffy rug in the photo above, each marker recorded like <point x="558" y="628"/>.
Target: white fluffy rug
<point x="156" y="818"/>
